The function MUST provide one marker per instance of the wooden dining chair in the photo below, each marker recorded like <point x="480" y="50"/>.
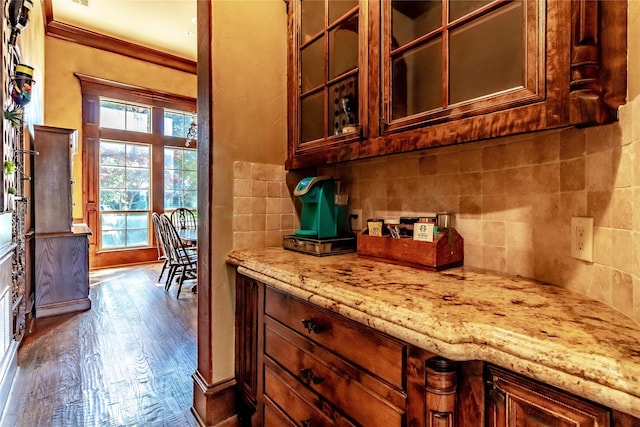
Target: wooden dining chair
<point x="160" y="243"/>
<point x="183" y="261"/>
<point x="184" y="218"/>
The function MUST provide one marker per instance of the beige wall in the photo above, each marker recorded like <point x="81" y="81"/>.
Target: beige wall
<point x="249" y="126"/>
<point x="63" y="97"/>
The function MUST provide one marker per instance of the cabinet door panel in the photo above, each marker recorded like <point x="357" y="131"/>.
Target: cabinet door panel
<point x="515" y="401"/>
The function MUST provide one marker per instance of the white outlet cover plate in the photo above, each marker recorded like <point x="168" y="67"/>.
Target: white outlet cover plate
<point x="582" y="238"/>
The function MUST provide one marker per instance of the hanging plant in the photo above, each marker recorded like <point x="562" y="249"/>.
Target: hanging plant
<point x="9" y="167"/>
<point x="11" y="190"/>
<point x="14" y="115"/>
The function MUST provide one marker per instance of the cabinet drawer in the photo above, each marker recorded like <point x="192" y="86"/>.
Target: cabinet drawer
<point x="299" y="404"/>
<point x="354" y="392"/>
<point x="373" y="351"/>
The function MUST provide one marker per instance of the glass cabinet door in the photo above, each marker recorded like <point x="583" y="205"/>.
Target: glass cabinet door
<point x="445" y="57"/>
<point x="327" y="63"/>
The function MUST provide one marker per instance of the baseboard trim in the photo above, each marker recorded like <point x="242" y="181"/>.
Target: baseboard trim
<point x="63" y="307"/>
<point x="214" y="405"/>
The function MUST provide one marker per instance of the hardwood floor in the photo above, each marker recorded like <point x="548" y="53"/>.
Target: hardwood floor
<point x="125" y="362"/>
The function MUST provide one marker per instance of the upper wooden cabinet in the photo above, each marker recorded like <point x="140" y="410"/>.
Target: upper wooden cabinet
<point x="368" y="78"/>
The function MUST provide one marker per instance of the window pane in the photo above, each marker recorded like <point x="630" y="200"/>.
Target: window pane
<point x="180" y="177"/>
<point x="112" y="115"/>
<point x="459" y="8"/>
<point x="138" y="155"/>
<point x="312" y="65"/>
<point x="137" y="237"/>
<point x="124" y="188"/>
<point x="191" y="160"/>
<point x="312" y="18"/>
<point x="190" y="200"/>
<point x="343" y="115"/>
<point x="172" y="179"/>
<point x="172" y="199"/>
<point x="174" y="124"/>
<point x="417" y="80"/>
<point x="312" y="117"/>
<point x="113" y="221"/>
<point x="138" y="119"/>
<point x="138" y="220"/>
<point x="111" y="177"/>
<point x="177" y="123"/>
<point x="113" y="239"/>
<point x="343" y="48"/>
<point x="190" y="180"/>
<point x="486" y="55"/>
<point x="412" y="19"/>
<point x="339" y="8"/>
<point x="125" y="116"/>
<point x="112" y="153"/>
<point x="111" y="200"/>
<point x="137" y="178"/>
<point x="137" y="200"/>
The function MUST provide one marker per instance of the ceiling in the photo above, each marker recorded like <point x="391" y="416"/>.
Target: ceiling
<point x="168" y="26"/>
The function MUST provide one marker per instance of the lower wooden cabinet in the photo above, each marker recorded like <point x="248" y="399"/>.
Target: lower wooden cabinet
<point x="514" y="401"/>
<point x="298" y="364"/>
<point x="61" y="273"/>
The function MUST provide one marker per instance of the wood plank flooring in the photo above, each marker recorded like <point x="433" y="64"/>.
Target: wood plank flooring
<point x="125" y="362"/>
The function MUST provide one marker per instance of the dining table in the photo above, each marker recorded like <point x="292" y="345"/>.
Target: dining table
<point x="189" y="237"/>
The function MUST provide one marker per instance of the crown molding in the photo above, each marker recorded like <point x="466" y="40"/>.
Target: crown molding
<point x="95" y="40"/>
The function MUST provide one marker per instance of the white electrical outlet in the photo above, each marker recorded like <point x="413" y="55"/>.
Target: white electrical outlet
<point x="582" y="238"/>
<point x="355" y="218"/>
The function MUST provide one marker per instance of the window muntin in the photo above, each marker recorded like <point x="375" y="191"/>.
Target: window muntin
<point x="125" y="116"/>
<point x="180" y="178"/>
<point x="177" y="123"/>
<point x="124" y="187"/>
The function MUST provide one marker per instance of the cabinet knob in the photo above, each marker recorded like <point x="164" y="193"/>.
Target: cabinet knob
<point x="309" y="377"/>
<point x="311" y="326"/>
<point x="306" y="423"/>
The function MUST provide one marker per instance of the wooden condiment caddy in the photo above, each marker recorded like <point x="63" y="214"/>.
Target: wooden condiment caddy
<point x="446" y="251"/>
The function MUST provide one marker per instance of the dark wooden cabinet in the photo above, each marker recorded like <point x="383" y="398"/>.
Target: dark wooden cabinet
<point x="515" y="401"/>
<point x="298" y="364"/>
<point x="431" y="73"/>
<point x="62" y="272"/>
<point x="61" y="255"/>
<point x="301" y="365"/>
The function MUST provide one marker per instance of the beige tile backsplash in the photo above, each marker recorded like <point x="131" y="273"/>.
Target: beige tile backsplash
<point x="513" y="198"/>
<point x="263" y="210"/>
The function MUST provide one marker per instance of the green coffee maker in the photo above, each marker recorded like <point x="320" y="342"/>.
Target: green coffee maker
<point x="318" y="219"/>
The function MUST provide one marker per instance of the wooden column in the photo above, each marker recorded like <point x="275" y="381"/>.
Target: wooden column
<point x="441" y="392"/>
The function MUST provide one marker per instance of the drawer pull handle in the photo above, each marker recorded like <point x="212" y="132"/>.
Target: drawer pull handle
<point x="306" y="422"/>
<point x="310" y="326"/>
<point x="309" y="377"/>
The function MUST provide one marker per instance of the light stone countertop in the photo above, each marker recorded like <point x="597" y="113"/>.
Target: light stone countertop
<point x="539" y="330"/>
